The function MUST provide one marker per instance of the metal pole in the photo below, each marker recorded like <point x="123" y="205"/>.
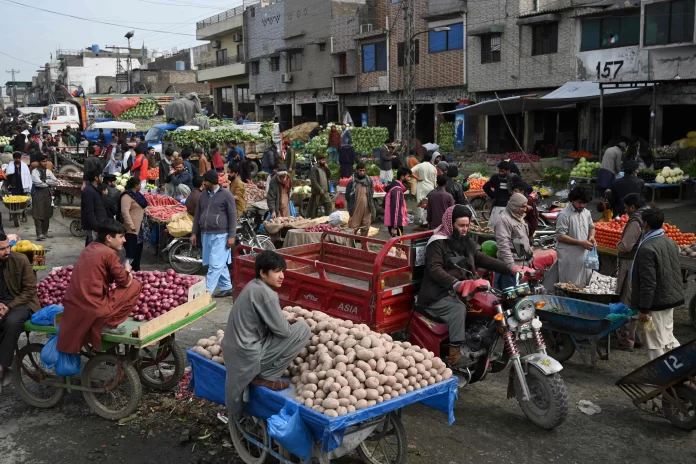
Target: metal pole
<point x="14" y="85"/>
<point x="653" y="120"/>
<point x="601" y="120"/>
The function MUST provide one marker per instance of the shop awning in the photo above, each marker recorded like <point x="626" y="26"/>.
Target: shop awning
<point x="568" y="94"/>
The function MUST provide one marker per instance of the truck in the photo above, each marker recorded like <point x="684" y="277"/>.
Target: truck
<point x="79" y="113"/>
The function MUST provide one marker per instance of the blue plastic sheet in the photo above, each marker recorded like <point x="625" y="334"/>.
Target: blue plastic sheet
<point x="208" y="382"/>
<point x="46" y="315"/>
<point x="49" y="353"/>
<point x="288" y="429"/>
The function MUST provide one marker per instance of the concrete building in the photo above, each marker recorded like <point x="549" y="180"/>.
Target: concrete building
<point x="80" y="68"/>
<point x="167" y="81"/>
<point x="222" y="66"/>
<point x="18" y="92"/>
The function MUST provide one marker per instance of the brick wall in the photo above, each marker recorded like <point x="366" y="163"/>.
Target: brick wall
<point x="104" y="83"/>
<point x="517" y="68"/>
<point x="263" y="34"/>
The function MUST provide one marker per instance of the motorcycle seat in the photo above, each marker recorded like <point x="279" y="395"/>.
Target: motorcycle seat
<point x="422" y="311"/>
<point x="543" y="259"/>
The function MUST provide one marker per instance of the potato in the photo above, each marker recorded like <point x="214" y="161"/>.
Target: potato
<point x="397" y="386"/>
<point x="403" y="363"/>
<point x="361" y="404"/>
<point x="402" y="391"/>
<point x="352" y="400"/>
<point x="371" y="394"/>
<point x="359" y="374"/>
<point x="366" y="342"/>
<point x="329" y="345"/>
<point x="202" y="351"/>
<point x="310" y="387"/>
<point x="304" y="352"/>
<point x="371" y="403"/>
<point x="394" y="355"/>
<point x="405" y="382"/>
<point x="218" y="359"/>
<point x="382" y="379"/>
<point x="343" y="402"/>
<point x="342" y="381"/>
<point x="318" y="409"/>
<point x="335" y="387"/>
<point x="309" y="402"/>
<point x="333" y="395"/>
<point x="353" y="383"/>
<point x="340" y="359"/>
<point x="363" y="366"/>
<point x="324" y="338"/>
<point x="359" y="393"/>
<point x="351" y="408"/>
<point x="372" y="382"/>
<point x="387" y="389"/>
<point x="389" y="369"/>
<point x="427" y="363"/>
<point x="372" y="363"/>
<point x="426" y="375"/>
<point x="380" y="399"/>
<point x="438" y="378"/>
<point x="412" y="371"/>
<point x="374" y="374"/>
<point x="391" y="380"/>
<point x="399" y="377"/>
<point x="344" y="392"/>
<point x="431" y="380"/>
<point x="327" y="384"/>
<point x="420" y="368"/>
<point x="330" y="403"/>
<point x="213" y="338"/>
<point x="330" y="413"/>
<point x="312" y="378"/>
<point x="423" y="383"/>
<point x="365" y="355"/>
<point x="342" y="337"/>
<point x="379" y="353"/>
<point x="447" y="374"/>
<point x="307" y="394"/>
<point x="333" y="373"/>
<point x="299" y="399"/>
<point x="409" y="389"/>
<point x="204" y="343"/>
<point x="380" y="390"/>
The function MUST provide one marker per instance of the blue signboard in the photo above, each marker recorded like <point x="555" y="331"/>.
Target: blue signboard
<point x="459" y="131"/>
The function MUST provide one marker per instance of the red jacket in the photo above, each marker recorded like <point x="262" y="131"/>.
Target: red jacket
<point x="335" y="139"/>
<point x="218" y="163"/>
<point x="139" y="168"/>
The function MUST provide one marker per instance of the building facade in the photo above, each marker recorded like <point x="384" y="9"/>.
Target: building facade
<point x="222" y="65"/>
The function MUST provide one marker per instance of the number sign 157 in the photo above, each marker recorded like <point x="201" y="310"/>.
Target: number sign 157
<point x="609" y="66"/>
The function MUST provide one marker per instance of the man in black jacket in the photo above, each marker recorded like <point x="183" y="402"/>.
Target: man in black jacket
<point x="629" y="183"/>
<point x="92" y="164"/>
<point x="497" y="189"/>
<point x="92" y="211"/>
<point x="453" y="187"/>
<point x="656" y="284"/>
<point x="451" y="262"/>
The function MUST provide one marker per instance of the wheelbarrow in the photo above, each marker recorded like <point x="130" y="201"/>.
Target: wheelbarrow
<point x="73" y="212"/>
<point x="666" y="385"/>
<point x="570" y="325"/>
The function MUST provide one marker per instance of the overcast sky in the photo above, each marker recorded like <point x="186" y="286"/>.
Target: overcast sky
<point x="30" y="35"/>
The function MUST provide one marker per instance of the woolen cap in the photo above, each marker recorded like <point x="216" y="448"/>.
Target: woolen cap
<point x="211" y="176"/>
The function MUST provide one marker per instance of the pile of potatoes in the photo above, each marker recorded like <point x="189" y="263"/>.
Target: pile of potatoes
<point x="346" y="367"/>
<point x="211" y="347"/>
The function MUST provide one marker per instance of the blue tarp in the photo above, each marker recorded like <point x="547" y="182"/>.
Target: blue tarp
<point x="281" y="411"/>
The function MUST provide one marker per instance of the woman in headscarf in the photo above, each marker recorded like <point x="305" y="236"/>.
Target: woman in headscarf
<point x="133" y="206"/>
<point x="512" y="237"/>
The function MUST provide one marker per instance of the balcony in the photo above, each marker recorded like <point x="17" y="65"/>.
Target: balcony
<point x="220" y="24"/>
<point x="221" y="69"/>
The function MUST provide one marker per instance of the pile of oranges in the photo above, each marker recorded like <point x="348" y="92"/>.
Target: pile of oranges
<point x="477" y="184"/>
<point x="675" y="234"/>
<point x="608" y="234"/>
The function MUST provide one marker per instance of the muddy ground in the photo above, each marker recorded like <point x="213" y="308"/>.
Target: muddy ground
<point x="489" y="428"/>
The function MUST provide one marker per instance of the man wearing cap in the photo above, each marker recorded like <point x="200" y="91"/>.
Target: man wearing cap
<point x="442" y="167"/>
<point x="629" y="183"/>
<point x="43" y="179"/>
<point x="6" y="157"/>
<point x="319" y="178"/>
<point x="278" y="196"/>
<point x="237" y="188"/>
<point x="611" y="165"/>
<point x="497" y="188"/>
<point x="359" y="194"/>
<point x="216" y="221"/>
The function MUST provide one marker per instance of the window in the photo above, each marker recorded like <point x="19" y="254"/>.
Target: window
<point x="374" y="57"/>
<point x="240" y="52"/>
<point x="72" y="111"/>
<point x="669" y="22"/>
<point x="295" y="61"/>
<point x="275" y="63"/>
<point x="342" y="64"/>
<point x="610" y="32"/>
<point x="490" y="48"/>
<point x="254" y="68"/>
<point x="401" y="53"/>
<point x="442" y="41"/>
<point x="545" y="39"/>
<point x="221" y="57"/>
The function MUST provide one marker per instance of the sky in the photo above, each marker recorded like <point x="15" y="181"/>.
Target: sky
<point x="29" y="35"/>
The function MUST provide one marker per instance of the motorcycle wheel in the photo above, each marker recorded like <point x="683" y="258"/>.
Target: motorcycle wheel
<point x="185" y="249"/>
<point x="548" y="406"/>
<point x="264" y="242"/>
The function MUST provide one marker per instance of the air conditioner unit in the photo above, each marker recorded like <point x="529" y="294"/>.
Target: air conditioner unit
<point x="286" y="78"/>
<point x="365" y="28"/>
<point x="236" y="37"/>
<point x="216" y="44"/>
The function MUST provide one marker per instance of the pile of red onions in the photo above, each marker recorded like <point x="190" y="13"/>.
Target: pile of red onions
<point x="161" y="292"/>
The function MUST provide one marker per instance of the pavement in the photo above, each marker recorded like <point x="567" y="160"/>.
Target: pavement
<point x="489" y="428"/>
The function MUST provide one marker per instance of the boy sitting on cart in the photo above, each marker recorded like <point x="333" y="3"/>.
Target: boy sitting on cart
<point x="259" y="342"/>
<point x="91" y="308"/>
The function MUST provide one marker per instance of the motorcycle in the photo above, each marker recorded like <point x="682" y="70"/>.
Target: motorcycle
<point x="496" y="322"/>
<point x="188" y="259"/>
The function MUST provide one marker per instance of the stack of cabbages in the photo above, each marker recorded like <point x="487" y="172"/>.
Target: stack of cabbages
<point x="346" y="367"/>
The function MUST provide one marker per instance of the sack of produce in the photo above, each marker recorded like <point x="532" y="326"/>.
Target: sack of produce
<point x="180" y="225"/>
<point x="118" y="105"/>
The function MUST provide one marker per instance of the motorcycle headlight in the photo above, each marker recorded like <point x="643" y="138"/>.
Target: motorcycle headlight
<point x="525" y="310"/>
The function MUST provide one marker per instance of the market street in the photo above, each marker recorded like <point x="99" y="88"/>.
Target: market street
<point x="488" y="427"/>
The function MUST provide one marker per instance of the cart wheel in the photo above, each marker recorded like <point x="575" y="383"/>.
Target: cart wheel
<point x="559" y="346"/>
<point x="254" y="168"/>
<point x="27" y="377"/>
<point x="387" y="443"/>
<point x="242" y="428"/>
<point x="482" y="206"/>
<point x="184" y="249"/>
<point x="692" y="311"/>
<point x="15" y="219"/>
<point x="76" y="229"/>
<point x="120" y="380"/>
<point x="161" y="367"/>
<point x="683" y="416"/>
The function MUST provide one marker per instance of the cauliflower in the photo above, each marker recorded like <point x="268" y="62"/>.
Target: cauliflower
<point x="660" y="179"/>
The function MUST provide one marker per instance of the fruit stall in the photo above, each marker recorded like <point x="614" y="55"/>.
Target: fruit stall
<point x="35" y="253"/>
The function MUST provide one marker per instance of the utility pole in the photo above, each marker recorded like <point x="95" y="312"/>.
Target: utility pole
<point x="409" y="78"/>
<point x="14" y="85"/>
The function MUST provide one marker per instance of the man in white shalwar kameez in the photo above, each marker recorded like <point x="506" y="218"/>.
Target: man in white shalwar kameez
<point x="575" y="232"/>
<point x="259" y="343"/>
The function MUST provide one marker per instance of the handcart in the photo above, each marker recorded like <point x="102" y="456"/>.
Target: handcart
<point x="668" y="384"/>
<point x="112" y="379"/>
<point x="18" y="210"/>
<point x="73" y="212"/>
<point x="69" y="192"/>
<point x="568" y="322"/>
<point x="274" y="425"/>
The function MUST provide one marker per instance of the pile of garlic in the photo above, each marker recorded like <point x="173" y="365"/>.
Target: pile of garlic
<point x="346" y="367"/>
<point x="602" y="285"/>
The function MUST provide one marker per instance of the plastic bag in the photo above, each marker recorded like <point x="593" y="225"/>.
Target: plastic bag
<point x="46" y="315"/>
<point x="68" y="364"/>
<point x="180" y="225"/>
<point x="592" y="259"/>
<point x="288" y="429"/>
<point x="49" y="353"/>
<point x="291" y="206"/>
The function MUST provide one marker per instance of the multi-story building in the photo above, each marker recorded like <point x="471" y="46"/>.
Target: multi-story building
<point x="18" y="92"/>
<point x="222" y="67"/>
<point x="79" y="69"/>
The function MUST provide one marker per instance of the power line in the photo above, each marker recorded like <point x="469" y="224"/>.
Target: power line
<point x="19" y="59"/>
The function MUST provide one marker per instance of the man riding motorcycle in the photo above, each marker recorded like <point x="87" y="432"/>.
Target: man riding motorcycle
<point x="451" y="257"/>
